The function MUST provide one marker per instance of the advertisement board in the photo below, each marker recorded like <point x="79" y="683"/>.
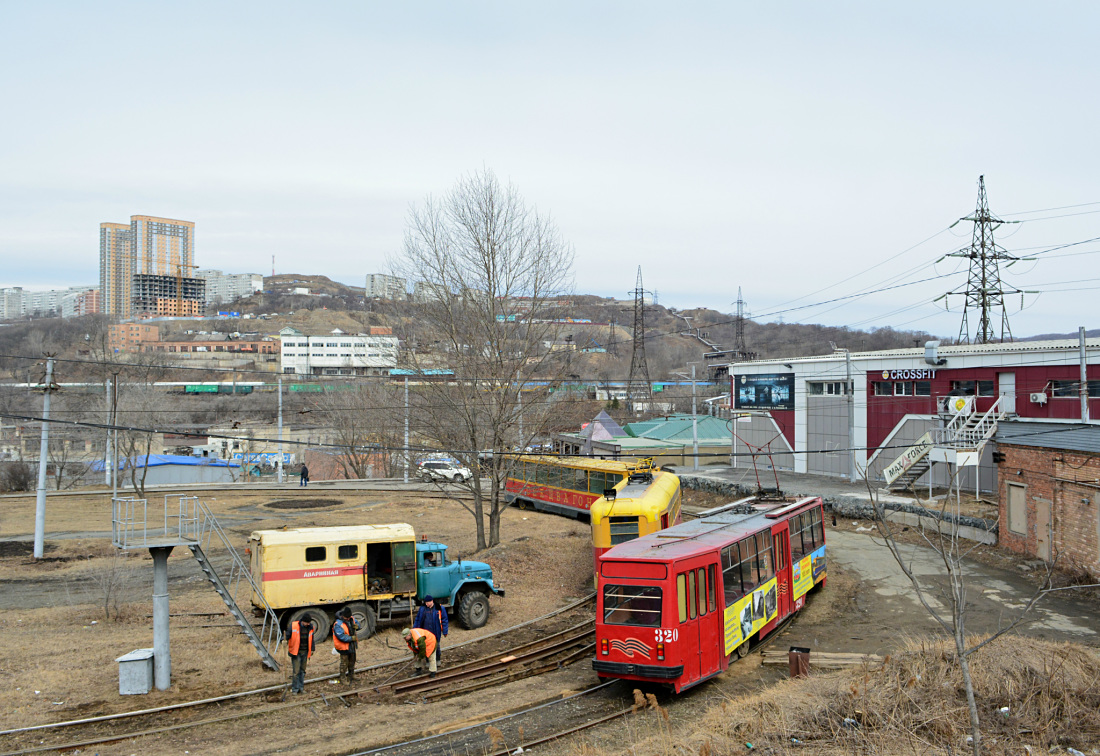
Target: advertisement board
<point x="750" y="613"/>
<point x="767" y="391"/>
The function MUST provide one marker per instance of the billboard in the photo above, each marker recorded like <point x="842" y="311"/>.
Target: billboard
<point x="767" y="391"/>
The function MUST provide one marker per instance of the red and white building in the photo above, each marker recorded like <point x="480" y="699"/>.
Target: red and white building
<point x="809" y="412"/>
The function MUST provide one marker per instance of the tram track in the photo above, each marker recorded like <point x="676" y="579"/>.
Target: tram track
<point x="542" y="651"/>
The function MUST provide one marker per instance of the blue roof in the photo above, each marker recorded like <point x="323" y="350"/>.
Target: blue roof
<point x="157" y="460"/>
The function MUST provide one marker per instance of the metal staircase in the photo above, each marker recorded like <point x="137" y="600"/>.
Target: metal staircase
<point x="193" y="525"/>
<point x="963" y="433"/>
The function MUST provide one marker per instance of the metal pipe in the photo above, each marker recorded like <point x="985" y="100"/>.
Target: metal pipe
<point x="162" y="655"/>
<point x="851" y="391"/>
<point x="43" y="454"/>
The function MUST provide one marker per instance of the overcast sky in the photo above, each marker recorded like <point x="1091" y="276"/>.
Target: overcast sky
<point x="783" y="148"/>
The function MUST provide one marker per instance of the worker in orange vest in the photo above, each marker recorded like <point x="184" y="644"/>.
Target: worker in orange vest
<point x="346" y="643"/>
<point x="422" y="643"/>
<point x="299" y="644"/>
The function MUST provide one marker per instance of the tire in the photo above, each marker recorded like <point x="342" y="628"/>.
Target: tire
<point x="365" y="616"/>
<point x="741" y="651"/>
<point x="319" y="617"/>
<point x="473" y="610"/>
<point x="458" y="478"/>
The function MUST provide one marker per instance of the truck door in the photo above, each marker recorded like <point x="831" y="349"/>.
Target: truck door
<point x="404" y="567"/>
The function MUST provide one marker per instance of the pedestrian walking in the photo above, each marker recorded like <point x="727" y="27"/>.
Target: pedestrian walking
<point x="304" y="480"/>
<point x="299" y="637"/>
<point x="346" y="644"/>
<point x="433" y="618"/>
<point x="422" y="644"/>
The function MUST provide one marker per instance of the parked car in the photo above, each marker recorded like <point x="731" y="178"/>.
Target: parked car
<point x="444" y="470"/>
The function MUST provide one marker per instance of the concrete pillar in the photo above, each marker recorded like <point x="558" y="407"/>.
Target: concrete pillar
<point x="162" y="654"/>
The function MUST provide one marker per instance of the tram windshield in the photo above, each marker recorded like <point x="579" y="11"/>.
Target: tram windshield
<point x="632" y="605"/>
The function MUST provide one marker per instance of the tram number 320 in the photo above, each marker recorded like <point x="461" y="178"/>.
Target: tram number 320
<point x="667" y="636"/>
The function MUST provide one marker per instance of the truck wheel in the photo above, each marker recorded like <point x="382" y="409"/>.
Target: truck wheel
<point x="317" y="616"/>
<point x="473" y="610"/>
<point x="366" y="618"/>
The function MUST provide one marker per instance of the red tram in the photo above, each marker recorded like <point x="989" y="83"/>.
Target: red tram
<point x="675" y="606"/>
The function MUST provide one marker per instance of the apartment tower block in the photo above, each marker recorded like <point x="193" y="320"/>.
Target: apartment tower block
<point x="160" y="251"/>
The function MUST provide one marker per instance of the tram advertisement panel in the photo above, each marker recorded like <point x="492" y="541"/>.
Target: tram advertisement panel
<point x="768" y="391"/>
<point x="807" y="571"/>
<point x="750" y="613"/>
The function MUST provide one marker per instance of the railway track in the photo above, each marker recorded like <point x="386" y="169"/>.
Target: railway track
<point x="533" y="657"/>
<point x="527" y="728"/>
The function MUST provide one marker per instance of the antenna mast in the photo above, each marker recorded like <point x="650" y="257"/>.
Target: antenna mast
<point x="638" y="390"/>
<point x="985" y="292"/>
<point x="739" y="345"/>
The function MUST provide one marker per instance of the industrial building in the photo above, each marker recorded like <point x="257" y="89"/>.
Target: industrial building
<point x="338" y="353"/>
<point x="149" y="246"/>
<point x="833" y="413"/>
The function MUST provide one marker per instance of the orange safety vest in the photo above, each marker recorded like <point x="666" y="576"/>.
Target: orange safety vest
<point x="413" y="641"/>
<point x="336" y="642"/>
<point x="296" y="638"/>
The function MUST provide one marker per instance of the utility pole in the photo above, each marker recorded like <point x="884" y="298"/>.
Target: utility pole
<point x="850" y="390"/>
<point x="114" y="440"/>
<point x="985" y="291"/>
<point x="638" y="387"/>
<point x="519" y="403"/>
<point x="1084" y="389"/>
<point x="407" y="452"/>
<point x="740" y="348"/>
<point x="43" y="454"/>
<point x="107" y="451"/>
<point x="279" y="461"/>
<point x="694" y="425"/>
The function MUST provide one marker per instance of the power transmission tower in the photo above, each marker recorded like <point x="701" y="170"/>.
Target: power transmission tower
<point x="638" y="387"/>
<point x="742" y="350"/>
<point x="985" y="292"/>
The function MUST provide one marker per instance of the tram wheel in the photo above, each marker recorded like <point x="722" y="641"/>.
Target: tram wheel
<point x="743" y="650"/>
<point x="521" y="503"/>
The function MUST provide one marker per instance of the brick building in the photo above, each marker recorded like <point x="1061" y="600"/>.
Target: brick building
<point x="128" y="337"/>
<point x="1050" y="492"/>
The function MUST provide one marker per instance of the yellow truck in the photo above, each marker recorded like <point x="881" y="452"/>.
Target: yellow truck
<point x="380" y="572"/>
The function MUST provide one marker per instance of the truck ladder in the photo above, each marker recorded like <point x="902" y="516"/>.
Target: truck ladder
<point x="268" y="636"/>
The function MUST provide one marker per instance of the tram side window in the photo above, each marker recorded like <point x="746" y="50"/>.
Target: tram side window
<point x="580" y="480"/>
<point x="748" y="564"/>
<point x="632" y="605"/>
<point x="731" y="575"/>
<point x="710" y="587"/>
<point x="819" y="529"/>
<point x="681" y="596"/>
<point x="795" y="525"/>
<point x="701" y="585"/>
<point x="764" y="556"/>
<point x="542" y="475"/>
<point x="691" y="594"/>
<point x="597" y="482"/>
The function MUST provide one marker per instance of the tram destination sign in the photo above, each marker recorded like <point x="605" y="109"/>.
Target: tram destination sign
<point x="766" y="391"/>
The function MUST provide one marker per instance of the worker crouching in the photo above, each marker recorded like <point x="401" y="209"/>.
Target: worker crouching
<point x="422" y="643"/>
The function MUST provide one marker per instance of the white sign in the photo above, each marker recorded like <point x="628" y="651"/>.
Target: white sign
<point x="908" y="458"/>
<point x="924" y="374"/>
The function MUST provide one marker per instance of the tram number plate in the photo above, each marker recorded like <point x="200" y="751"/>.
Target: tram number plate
<point x="667" y="636"/>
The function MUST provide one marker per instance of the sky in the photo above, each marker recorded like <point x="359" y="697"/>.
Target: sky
<point x="803" y="152"/>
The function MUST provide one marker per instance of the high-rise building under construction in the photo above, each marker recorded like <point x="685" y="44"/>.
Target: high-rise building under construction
<point x="148" y="246"/>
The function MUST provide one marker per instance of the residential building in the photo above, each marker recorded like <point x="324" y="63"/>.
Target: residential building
<point x="1050" y="492"/>
<point x="80" y="301"/>
<point x="148" y="246"/>
<point x="227" y="287"/>
<point x="338" y="353"/>
<point x="17" y="302"/>
<point x="381" y="286"/>
<point x="181" y="296"/>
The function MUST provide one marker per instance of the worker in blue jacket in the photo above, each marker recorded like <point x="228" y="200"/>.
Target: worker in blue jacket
<point x="433" y="618"/>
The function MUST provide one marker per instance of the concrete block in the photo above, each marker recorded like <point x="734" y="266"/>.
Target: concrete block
<point x="135" y="672"/>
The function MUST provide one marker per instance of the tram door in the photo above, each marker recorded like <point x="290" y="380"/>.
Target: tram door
<point x="782" y="541"/>
<point x="700" y="621"/>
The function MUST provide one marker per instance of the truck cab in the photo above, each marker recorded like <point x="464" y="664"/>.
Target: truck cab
<point x="462" y="586"/>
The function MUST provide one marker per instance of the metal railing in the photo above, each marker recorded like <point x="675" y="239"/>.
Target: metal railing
<point x="171" y="525"/>
<point x="970" y="431"/>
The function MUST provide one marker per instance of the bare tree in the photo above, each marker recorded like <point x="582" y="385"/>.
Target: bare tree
<point x="367" y="423"/>
<point x="490" y="272"/>
<point x="140" y="410"/>
<point x="944" y="538"/>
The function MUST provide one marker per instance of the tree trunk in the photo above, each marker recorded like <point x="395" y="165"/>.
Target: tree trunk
<point x="972" y="705"/>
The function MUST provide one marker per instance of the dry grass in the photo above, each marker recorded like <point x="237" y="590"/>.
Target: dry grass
<point x="914" y="703"/>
